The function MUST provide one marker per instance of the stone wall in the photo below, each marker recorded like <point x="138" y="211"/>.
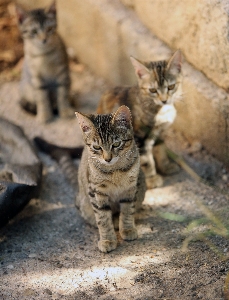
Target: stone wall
<point x="199" y="28"/>
<point x="104" y="33"/>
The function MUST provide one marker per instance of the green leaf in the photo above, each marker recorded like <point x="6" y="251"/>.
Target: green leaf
<point x="172" y="216"/>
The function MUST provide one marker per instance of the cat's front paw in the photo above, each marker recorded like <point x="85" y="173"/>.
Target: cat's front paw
<point x="129" y="234"/>
<point x="154" y="181"/>
<point x="107" y="245"/>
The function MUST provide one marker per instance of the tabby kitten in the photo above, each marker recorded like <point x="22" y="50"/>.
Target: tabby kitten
<point x="110" y="180"/>
<point x="45" y="80"/>
<point x="151" y="104"/>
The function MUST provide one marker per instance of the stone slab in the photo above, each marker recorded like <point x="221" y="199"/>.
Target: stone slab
<point x="198" y="28"/>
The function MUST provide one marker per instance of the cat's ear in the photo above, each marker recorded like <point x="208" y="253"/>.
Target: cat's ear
<point x="21" y="14"/>
<point x="122" y="117"/>
<point x="51" y="9"/>
<point x="175" y="63"/>
<point x="140" y="69"/>
<point x="85" y="123"/>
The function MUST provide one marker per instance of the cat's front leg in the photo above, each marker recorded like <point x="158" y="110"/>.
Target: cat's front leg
<point x="103" y="216"/>
<point x="44" y="110"/>
<point x="41" y="96"/>
<point x="127" y="227"/>
<point x="153" y="180"/>
<point x="64" y="108"/>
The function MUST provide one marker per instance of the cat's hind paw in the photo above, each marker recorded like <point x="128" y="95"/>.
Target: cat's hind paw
<point x="154" y="181"/>
<point x="107" y="245"/>
<point x="169" y="169"/>
<point x="129" y="234"/>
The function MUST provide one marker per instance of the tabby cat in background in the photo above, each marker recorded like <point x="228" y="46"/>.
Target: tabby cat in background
<point x="110" y="181"/>
<point x="45" y="82"/>
<point x="151" y="104"/>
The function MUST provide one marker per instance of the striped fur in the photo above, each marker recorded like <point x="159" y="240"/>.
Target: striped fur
<point x="110" y="180"/>
<point x="152" y="106"/>
<point x="109" y="173"/>
<point x="45" y="80"/>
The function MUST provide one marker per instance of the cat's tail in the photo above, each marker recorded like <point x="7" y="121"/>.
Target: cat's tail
<point x="63" y="156"/>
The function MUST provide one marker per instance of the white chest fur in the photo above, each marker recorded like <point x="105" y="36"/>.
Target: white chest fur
<point x="166" y="115"/>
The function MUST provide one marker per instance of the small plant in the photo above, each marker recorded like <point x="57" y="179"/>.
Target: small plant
<point x="202" y="228"/>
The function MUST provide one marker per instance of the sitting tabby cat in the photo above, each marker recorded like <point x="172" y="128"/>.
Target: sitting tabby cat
<point x="151" y="104"/>
<point x="45" y="78"/>
<point x="110" y="179"/>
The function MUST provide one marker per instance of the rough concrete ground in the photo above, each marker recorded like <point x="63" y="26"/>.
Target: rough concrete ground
<point x="49" y="252"/>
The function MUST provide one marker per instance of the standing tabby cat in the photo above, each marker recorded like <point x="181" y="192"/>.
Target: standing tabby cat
<point x="45" y="78"/>
<point x="110" y="179"/>
<point x="151" y="104"/>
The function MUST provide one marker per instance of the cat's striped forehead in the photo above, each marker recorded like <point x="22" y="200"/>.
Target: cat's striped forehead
<point x="106" y="129"/>
<point x="158" y="68"/>
<point x="102" y="123"/>
<point x="103" y="127"/>
<point x="38" y="15"/>
<point x="40" y="18"/>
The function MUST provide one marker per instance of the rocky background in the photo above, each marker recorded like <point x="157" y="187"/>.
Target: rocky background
<point x="104" y="33"/>
<point x="48" y="251"/>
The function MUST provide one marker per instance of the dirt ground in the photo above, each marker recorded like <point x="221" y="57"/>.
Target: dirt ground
<point x="48" y="251"/>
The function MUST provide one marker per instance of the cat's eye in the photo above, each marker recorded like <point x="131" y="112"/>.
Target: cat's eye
<point x="116" y="144"/>
<point x="96" y="147"/>
<point x="171" y="87"/>
<point x="34" y="31"/>
<point x="152" y="90"/>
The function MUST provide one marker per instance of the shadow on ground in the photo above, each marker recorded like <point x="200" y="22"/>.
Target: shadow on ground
<point x="49" y="252"/>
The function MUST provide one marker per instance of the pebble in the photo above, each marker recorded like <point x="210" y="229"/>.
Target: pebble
<point x="32" y="255"/>
<point x="10" y="267"/>
<point x="48" y="291"/>
<point x="51" y="169"/>
<point x="224" y="177"/>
